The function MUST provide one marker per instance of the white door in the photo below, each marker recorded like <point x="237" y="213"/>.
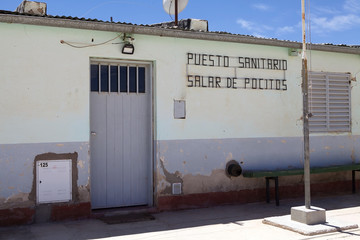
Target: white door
<point x="121" y="139"/>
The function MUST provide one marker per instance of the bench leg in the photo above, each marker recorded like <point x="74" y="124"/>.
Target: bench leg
<point x="276" y="179"/>
<point x="277" y="191"/>
<point x="267" y="190"/>
<point x="354" y="180"/>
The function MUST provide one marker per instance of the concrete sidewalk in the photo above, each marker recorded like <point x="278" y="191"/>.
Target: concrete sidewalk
<point x="223" y="222"/>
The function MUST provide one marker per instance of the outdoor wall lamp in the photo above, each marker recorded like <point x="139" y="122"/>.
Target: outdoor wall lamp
<point x="128" y="48"/>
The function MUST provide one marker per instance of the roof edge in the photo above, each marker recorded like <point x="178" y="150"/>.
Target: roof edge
<point x="164" y="32"/>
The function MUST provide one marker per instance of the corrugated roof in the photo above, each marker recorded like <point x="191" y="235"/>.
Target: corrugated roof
<point x="96" y="24"/>
<point x="64" y="17"/>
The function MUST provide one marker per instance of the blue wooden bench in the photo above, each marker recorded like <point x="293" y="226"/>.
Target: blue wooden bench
<point x="274" y="175"/>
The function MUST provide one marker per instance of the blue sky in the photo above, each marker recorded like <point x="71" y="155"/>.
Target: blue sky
<point x="330" y="21"/>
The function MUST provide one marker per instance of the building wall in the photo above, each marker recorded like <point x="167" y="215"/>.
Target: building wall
<point x="45" y="109"/>
<point x="44" y="114"/>
<point x="261" y="129"/>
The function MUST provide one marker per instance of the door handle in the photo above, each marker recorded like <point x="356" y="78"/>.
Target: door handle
<point x="93" y="133"/>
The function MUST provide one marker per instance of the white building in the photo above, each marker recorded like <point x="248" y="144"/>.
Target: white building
<point x="85" y="126"/>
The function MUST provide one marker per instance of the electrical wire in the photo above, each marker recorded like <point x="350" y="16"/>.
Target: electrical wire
<point x="89" y="45"/>
<point x="171" y="2"/>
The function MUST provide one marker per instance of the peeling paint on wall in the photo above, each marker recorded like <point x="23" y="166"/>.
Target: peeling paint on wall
<point x="218" y="181"/>
<point x="81" y="163"/>
<point x="84" y="193"/>
<point x="170" y="178"/>
<point x="20" y="197"/>
<point x="203" y="170"/>
<point x="163" y="185"/>
<point x="229" y="157"/>
<point x="18" y="171"/>
<point x="16" y="200"/>
<point x="353" y="158"/>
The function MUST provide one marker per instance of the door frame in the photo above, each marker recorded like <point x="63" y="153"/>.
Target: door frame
<point x="150" y="65"/>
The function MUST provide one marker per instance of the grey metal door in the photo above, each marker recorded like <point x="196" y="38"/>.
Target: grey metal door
<point x="120" y="122"/>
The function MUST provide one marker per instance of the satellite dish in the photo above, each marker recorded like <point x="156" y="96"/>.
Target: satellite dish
<point x="169" y="6"/>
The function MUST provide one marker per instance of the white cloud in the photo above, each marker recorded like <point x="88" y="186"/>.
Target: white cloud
<point x="267" y="28"/>
<point x="335" y="20"/>
<point x="352" y="5"/>
<point x="325" y="10"/>
<point x="261" y="6"/>
<point x="336" y="23"/>
<point x="254" y="27"/>
<point x="246" y="24"/>
<point x="286" y="29"/>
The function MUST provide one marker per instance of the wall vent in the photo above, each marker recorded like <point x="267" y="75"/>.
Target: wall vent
<point x="176" y="188"/>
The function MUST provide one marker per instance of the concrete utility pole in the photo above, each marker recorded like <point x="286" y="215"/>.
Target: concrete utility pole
<point x="305" y="90"/>
<point x="306" y="214"/>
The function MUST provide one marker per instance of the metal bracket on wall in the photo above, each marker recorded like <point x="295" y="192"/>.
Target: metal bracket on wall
<point x="276" y="179"/>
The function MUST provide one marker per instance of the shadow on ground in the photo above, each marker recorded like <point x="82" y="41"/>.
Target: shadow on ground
<point x="172" y="221"/>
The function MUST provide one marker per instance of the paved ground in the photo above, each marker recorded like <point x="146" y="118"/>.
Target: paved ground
<point x="218" y="223"/>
